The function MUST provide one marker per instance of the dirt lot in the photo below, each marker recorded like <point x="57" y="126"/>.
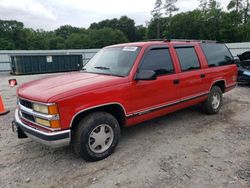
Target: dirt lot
<point x="183" y="149"/>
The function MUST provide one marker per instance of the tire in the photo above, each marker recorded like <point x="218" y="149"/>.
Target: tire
<point x="96" y="136"/>
<point x="213" y="105"/>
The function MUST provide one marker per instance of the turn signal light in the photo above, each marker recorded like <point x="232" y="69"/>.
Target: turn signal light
<point x="53" y="109"/>
<point x="55" y="124"/>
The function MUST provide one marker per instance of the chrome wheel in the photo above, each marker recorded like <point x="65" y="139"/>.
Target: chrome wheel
<point x="216" y="100"/>
<point x="101" y="138"/>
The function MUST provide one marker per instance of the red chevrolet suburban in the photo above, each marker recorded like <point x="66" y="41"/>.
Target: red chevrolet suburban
<point x="123" y="85"/>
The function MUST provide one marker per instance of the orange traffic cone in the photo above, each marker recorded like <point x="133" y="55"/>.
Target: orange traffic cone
<point x="2" y="109"/>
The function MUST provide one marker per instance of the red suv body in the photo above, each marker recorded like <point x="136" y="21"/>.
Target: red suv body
<point x="123" y="85"/>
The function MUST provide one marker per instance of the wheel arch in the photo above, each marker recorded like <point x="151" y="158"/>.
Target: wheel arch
<point x="115" y="109"/>
<point x="220" y="83"/>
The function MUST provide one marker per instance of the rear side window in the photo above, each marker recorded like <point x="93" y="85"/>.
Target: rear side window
<point x="158" y="60"/>
<point x="188" y="58"/>
<point x="217" y="54"/>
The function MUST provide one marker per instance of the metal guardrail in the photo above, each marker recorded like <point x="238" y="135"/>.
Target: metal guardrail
<point x="5" y="66"/>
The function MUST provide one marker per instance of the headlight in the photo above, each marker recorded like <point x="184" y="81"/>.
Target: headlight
<point x="41" y="108"/>
<point x="43" y="122"/>
<point x="45" y="109"/>
<point x="51" y="124"/>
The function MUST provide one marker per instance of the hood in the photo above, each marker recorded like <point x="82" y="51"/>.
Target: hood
<point x="66" y="85"/>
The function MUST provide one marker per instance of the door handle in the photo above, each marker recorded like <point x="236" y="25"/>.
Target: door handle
<point x="203" y="75"/>
<point x="177" y="81"/>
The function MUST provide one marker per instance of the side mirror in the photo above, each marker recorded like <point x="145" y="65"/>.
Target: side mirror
<point x="146" y="75"/>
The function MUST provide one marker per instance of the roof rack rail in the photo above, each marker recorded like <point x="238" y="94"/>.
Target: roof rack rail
<point x="192" y="40"/>
<point x="184" y="40"/>
<point x="160" y="40"/>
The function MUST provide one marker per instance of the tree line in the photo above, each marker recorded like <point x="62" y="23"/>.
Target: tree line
<point x="207" y="22"/>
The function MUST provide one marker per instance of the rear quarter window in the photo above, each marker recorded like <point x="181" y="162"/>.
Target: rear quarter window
<point x="217" y="55"/>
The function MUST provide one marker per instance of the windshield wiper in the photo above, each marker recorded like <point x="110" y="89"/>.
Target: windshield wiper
<point x="102" y="68"/>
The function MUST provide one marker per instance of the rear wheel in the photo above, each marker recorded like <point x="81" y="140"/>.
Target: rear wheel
<point x="214" y="101"/>
<point x="96" y="136"/>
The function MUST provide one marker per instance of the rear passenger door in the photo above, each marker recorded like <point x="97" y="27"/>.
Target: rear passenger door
<point x="191" y="75"/>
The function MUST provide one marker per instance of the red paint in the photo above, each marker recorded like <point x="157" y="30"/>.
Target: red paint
<point x="76" y="92"/>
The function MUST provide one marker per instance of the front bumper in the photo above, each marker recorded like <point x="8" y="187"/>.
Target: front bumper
<point x="53" y="139"/>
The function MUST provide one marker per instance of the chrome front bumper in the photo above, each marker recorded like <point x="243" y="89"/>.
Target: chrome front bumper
<point x="53" y="139"/>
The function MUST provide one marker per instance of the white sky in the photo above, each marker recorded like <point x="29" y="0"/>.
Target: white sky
<point x="50" y="14"/>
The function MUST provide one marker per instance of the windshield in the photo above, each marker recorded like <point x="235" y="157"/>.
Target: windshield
<point x="116" y="61"/>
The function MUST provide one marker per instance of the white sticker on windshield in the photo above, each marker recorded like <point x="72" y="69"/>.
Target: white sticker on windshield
<point x="130" y="48"/>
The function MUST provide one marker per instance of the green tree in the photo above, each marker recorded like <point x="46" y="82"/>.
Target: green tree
<point x="156" y="13"/>
<point x="37" y="40"/>
<point x="124" y="24"/>
<point x="56" y="42"/>
<point x="236" y="8"/>
<point x="5" y="44"/>
<point x="12" y="33"/>
<point x="141" y="33"/>
<point x="170" y="7"/>
<point x="66" y="30"/>
<point x="127" y="26"/>
<point x="104" y="37"/>
<point x="237" y="5"/>
<point x="78" y="41"/>
<point x="152" y="31"/>
<point x="203" y="5"/>
<point x="246" y="11"/>
<point x="185" y="26"/>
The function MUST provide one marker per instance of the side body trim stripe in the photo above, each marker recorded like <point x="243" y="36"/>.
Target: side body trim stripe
<point x="166" y="105"/>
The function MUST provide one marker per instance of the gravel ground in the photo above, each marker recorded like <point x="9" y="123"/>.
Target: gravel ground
<point x="183" y="149"/>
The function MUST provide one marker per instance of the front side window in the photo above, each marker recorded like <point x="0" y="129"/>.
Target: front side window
<point x="188" y="58"/>
<point x="116" y="61"/>
<point x="217" y="54"/>
<point x="158" y="60"/>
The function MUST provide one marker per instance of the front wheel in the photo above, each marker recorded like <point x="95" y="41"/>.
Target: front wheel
<point x="96" y="136"/>
<point x="214" y="101"/>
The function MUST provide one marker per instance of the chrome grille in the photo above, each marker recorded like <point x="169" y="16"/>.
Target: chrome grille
<point x="28" y="116"/>
<point x="25" y="103"/>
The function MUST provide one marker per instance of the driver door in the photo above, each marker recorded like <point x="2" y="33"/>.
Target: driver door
<point x="155" y="96"/>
